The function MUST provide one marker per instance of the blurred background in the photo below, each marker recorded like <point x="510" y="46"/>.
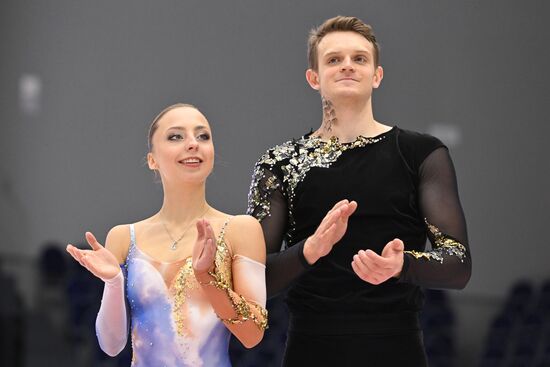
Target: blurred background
<point x="81" y="81"/>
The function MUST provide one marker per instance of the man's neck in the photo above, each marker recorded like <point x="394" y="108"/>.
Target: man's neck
<point x="347" y="121"/>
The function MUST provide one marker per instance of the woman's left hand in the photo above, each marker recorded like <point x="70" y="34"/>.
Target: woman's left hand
<point x="204" y="251"/>
<point x="376" y="269"/>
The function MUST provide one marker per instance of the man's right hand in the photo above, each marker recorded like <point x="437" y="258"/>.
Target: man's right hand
<point x="330" y="231"/>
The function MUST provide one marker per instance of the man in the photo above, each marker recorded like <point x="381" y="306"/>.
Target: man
<point x="354" y="202"/>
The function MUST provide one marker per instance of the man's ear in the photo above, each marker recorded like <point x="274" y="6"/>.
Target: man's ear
<point x="312" y="78"/>
<point x="378" y="76"/>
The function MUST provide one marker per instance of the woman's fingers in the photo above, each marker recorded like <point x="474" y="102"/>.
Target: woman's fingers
<point x="209" y="250"/>
<point x="92" y="241"/>
<point x="209" y="231"/>
<point x="200" y="229"/>
<point x="77" y="254"/>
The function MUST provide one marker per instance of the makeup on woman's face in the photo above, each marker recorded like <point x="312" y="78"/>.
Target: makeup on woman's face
<point x="182" y="145"/>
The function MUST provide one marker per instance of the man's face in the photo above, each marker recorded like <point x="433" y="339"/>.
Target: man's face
<point x="346" y="67"/>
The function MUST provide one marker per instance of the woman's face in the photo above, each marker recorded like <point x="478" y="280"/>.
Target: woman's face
<point x="182" y="148"/>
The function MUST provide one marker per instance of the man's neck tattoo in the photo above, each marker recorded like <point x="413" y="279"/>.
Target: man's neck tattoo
<point x="329" y="115"/>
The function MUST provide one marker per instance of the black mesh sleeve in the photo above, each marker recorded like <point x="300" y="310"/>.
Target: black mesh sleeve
<point x="268" y="204"/>
<point x="448" y="264"/>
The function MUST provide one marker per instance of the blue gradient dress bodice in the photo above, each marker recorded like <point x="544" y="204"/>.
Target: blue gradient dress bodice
<point x="172" y="322"/>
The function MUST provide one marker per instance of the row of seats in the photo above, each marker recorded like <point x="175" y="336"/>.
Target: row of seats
<point x="519" y="335"/>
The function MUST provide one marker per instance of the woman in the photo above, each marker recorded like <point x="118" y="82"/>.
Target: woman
<point x="187" y="288"/>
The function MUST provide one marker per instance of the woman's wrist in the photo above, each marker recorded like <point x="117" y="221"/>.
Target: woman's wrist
<point x="114" y="279"/>
<point x="205" y="277"/>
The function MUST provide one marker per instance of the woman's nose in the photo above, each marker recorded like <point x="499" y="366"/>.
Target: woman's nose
<point x="192" y="144"/>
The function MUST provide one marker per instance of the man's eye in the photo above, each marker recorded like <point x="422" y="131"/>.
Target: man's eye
<point x="333" y="60"/>
<point x="361" y="59"/>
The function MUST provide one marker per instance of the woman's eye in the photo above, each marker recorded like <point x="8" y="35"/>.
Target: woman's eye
<point x="203" y="137"/>
<point x="175" y="137"/>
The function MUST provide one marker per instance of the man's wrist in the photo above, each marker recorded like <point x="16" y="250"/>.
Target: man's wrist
<point x="309" y="253"/>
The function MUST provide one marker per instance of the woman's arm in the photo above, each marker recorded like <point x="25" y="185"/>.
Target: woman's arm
<point x="111" y="321"/>
<point x="241" y="305"/>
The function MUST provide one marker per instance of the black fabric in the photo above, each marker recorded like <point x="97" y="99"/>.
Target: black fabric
<point x="398" y="182"/>
<point x="390" y="350"/>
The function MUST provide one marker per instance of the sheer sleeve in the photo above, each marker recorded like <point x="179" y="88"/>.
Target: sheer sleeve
<point x="111" y="321"/>
<point x="268" y="204"/>
<point x="448" y="263"/>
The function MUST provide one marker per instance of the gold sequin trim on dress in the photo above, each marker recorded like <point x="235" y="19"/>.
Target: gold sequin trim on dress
<point x="242" y="307"/>
<point x="223" y="280"/>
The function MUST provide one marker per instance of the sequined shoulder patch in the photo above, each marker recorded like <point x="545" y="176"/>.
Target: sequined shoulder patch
<point x="295" y="159"/>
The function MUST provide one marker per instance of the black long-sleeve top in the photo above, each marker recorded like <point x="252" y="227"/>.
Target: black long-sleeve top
<point x="405" y="186"/>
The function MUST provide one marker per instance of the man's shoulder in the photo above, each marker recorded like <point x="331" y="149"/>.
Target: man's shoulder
<point x="283" y="151"/>
<point x="411" y="139"/>
<point x="415" y="146"/>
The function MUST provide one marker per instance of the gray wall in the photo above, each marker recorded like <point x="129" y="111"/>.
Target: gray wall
<point x="76" y="162"/>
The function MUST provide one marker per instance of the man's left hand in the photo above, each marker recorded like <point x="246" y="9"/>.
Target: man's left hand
<point x="376" y="269"/>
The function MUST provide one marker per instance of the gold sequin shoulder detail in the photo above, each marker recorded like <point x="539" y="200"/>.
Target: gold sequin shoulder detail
<point x="285" y="166"/>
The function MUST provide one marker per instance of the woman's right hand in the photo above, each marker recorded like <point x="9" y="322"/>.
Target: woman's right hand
<point x="99" y="261"/>
<point x="330" y="231"/>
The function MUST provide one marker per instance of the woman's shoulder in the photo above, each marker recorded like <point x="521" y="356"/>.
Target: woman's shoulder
<point x="118" y="241"/>
<point x="245" y="235"/>
<point x="120" y="236"/>
<point x="237" y="223"/>
<point x="244" y="220"/>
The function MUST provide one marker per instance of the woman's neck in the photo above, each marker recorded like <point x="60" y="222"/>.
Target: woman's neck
<point x="183" y="203"/>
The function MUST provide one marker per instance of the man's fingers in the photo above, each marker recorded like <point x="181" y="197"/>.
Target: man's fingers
<point x="362" y="272"/>
<point x="328" y="232"/>
<point x="377" y="261"/>
<point x="92" y="241"/>
<point x="398" y="245"/>
<point x="358" y="270"/>
<point x="349" y="209"/>
<point x="328" y="220"/>
<point x="392" y="248"/>
<point x="338" y="205"/>
<point x="368" y="265"/>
